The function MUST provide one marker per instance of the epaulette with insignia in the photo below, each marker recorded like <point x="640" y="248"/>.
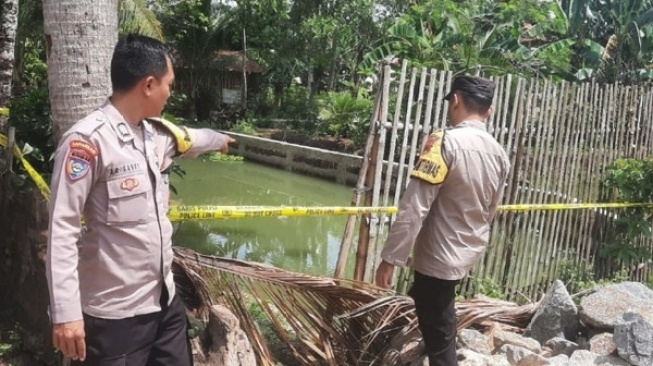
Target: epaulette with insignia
<point x="431" y="166"/>
<point x="87" y="126"/>
<point x="181" y="135"/>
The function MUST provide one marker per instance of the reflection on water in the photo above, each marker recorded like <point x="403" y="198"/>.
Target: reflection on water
<point x="303" y="244"/>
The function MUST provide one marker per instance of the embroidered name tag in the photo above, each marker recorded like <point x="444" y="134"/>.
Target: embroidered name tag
<point x="431" y="166"/>
<point x="81" y="155"/>
<point x="124" y="169"/>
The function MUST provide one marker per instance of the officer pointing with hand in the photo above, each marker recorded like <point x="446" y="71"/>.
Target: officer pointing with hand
<point x="112" y="295"/>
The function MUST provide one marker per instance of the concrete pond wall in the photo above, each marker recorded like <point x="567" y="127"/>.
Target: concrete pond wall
<point x="330" y="165"/>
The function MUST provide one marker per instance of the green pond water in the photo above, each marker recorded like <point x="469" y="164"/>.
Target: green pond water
<point x="302" y="244"/>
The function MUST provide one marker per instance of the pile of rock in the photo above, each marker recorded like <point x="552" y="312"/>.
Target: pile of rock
<point x="613" y="326"/>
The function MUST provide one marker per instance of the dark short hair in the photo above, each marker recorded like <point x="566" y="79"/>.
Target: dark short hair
<point x="136" y="57"/>
<point x="476" y="92"/>
<point x="474" y="103"/>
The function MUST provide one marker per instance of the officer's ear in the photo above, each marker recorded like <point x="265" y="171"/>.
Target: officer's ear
<point x="148" y="84"/>
<point x="455" y="100"/>
<point x="489" y="112"/>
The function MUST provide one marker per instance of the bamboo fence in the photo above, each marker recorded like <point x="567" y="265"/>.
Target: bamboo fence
<point x="560" y="137"/>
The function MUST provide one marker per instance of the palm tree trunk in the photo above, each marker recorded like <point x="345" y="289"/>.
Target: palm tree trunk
<point x="8" y="25"/>
<point x="80" y="37"/>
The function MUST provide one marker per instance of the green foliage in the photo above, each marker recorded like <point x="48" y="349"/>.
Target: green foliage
<point x="344" y="115"/>
<point x="488" y="287"/>
<point x="579" y="278"/>
<point x="30" y="115"/>
<point x="5" y="349"/>
<point x="196" y="31"/>
<point x="31" y="69"/>
<point x="135" y="16"/>
<point x="630" y="180"/>
<point x="293" y="104"/>
<point x="16" y="339"/>
<point x="220" y="157"/>
<point x="243" y="126"/>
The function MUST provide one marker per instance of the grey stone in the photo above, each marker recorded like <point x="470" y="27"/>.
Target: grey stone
<point x="474" y="340"/>
<point x="559" y="360"/>
<point x="513" y="353"/>
<point x="603" y="344"/>
<point x="229" y="344"/>
<point x="533" y="360"/>
<point x="539" y="360"/>
<point x="607" y="305"/>
<point x="497" y="360"/>
<point x="560" y="346"/>
<point x="501" y="338"/>
<point x="556" y="316"/>
<point x="634" y="339"/>
<point x="470" y="358"/>
<point x="587" y="358"/>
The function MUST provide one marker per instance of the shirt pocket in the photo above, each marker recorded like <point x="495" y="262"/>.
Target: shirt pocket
<point x="128" y="199"/>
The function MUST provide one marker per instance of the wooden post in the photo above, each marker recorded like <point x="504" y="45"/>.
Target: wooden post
<point x="243" y="101"/>
<point x="364" y="230"/>
<point x="345" y="245"/>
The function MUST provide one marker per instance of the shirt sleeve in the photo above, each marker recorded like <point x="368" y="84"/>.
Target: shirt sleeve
<point x="414" y="206"/>
<point x="205" y="140"/>
<point x="73" y="176"/>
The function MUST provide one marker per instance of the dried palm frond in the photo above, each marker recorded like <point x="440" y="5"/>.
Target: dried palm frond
<point x="487" y="312"/>
<point x="322" y="321"/>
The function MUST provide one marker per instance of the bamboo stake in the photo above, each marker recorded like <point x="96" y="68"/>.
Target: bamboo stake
<point x="404" y="145"/>
<point x="348" y="234"/>
<point x="417" y="126"/>
<point x="364" y="227"/>
<point x="562" y="238"/>
<point x="586" y="191"/>
<point x="394" y="135"/>
<point x="521" y="127"/>
<point x="549" y="220"/>
<point x="531" y="175"/>
<point x="532" y="230"/>
<point x="376" y="225"/>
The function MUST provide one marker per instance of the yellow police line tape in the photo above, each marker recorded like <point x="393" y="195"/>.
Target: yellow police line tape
<point x="571" y="206"/>
<point x="186" y="212"/>
<point x="36" y="177"/>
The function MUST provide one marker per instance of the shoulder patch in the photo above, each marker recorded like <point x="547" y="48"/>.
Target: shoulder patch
<point x="431" y="166"/>
<point x="81" y="155"/>
<point x="181" y="135"/>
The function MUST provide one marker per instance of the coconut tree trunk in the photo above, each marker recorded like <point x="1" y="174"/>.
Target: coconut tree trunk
<point x="8" y="24"/>
<point x="80" y="37"/>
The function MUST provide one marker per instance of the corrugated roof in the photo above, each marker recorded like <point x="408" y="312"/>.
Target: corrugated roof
<point x="233" y="61"/>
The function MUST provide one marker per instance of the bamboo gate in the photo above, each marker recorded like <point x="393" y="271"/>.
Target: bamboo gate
<point x="560" y="137"/>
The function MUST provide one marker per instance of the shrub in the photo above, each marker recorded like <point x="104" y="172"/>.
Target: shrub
<point x="630" y="180"/>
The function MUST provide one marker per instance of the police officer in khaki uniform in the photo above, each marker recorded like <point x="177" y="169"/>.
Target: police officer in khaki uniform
<point x="112" y="295"/>
<point x="446" y="212"/>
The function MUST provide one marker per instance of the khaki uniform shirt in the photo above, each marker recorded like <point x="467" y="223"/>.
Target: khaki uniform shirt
<point x="449" y="223"/>
<point x="111" y="173"/>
